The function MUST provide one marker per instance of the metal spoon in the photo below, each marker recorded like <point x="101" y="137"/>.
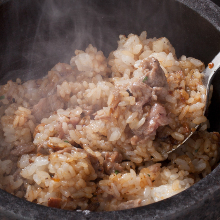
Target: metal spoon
<point x="209" y="73"/>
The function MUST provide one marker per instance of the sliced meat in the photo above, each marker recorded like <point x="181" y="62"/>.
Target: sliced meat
<point x="146" y="91"/>
<point x="23" y="149"/>
<point x="16" y="174"/>
<point x="45" y="106"/>
<point x="111" y="163"/>
<point x="161" y="93"/>
<point x="129" y="204"/>
<point x="39" y="109"/>
<point x="44" y="150"/>
<point x="96" y="165"/>
<point x="156" y="118"/>
<point x="154" y="75"/>
<point x="54" y="103"/>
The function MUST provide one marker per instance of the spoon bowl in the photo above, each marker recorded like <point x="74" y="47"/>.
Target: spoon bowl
<point x="209" y="73"/>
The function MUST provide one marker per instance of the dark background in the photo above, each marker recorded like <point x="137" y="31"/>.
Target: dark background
<point x="217" y="2"/>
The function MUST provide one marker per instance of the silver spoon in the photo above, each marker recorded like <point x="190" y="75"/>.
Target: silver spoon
<point x="209" y="73"/>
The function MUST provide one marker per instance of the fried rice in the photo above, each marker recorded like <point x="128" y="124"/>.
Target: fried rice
<point x="95" y="134"/>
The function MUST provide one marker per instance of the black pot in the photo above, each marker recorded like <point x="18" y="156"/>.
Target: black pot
<point x="35" y="35"/>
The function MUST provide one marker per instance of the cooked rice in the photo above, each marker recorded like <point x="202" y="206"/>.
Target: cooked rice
<point x="74" y="139"/>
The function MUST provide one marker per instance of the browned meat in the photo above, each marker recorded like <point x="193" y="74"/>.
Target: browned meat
<point x="154" y="75"/>
<point x="146" y="95"/>
<point x="16" y="174"/>
<point x="41" y="149"/>
<point x="129" y="204"/>
<point x="46" y="105"/>
<point x="161" y="93"/>
<point x="23" y="149"/>
<point x="54" y="202"/>
<point x="96" y="165"/>
<point x="156" y="118"/>
<point x="54" y="103"/>
<point x="111" y="163"/>
<point x="39" y="109"/>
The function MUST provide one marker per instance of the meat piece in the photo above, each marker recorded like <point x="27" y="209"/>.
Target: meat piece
<point x="16" y="174"/>
<point x="111" y="163"/>
<point x="23" y="149"/>
<point x="129" y="204"/>
<point x="146" y="91"/>
<point x="39" y="109"/>
<point x="156" y="118"/>
<point x="54" y="103"/>
<point x="96" y="165"/>
<point x="54" y="202"/>
<point x="41" y="149"/>
<point x="154" y="75"/>
<point x="45" y="106"/>
<point x="160" y="92"/>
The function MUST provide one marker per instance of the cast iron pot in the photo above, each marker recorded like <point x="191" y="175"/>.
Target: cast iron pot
<point x="35" y="35"/>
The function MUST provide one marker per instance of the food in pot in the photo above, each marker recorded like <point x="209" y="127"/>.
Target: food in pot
<point x="94" y="134"/>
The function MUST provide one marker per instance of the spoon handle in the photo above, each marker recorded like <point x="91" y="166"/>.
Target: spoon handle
<point x="209" y="73"/>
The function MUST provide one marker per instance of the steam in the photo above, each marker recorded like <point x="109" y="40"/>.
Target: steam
<point x="38" y="34"/>
<point x="48" y="32"/>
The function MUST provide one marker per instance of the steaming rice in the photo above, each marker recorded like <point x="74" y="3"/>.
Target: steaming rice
<point x="94" y="134"/>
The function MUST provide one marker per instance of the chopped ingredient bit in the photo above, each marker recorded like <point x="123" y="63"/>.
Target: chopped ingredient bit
<point x="2" y="97"/>
<point x="148" y="175"/>
<point x="211" y="65"/>
<point x="145" y="78"/>
<point x="128" y="91"/>
<point x="116" y="172"/>
<point x="66" y="141"/>
<point x="196" y="150"/>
